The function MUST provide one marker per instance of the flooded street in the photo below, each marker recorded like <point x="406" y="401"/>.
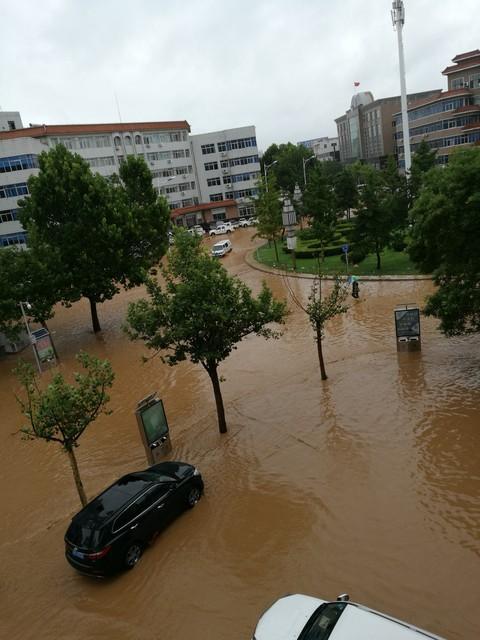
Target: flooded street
<point x="367" y="483"/>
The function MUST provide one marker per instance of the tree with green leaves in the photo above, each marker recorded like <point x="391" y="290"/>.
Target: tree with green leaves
<point x="93" y="234"/>
<point x="24" y="278"/>
<point x="374" y="219"/>
<point x="445" y="239"/>
<point x="61" y="412"/>
<point x="322" y="309"/>
<point x="319" y="203"/>
<point x="268" y="209"/>
<point x="395" y="194"/>
<point x="345" y="185"/>
<point x="423" y="160"/>
<point x="289" y="167"/>
<point x="201" y="313"/>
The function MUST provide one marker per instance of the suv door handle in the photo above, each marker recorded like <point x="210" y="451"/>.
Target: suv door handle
<point x="134" y="526"/>
<point x="160" y="506"/>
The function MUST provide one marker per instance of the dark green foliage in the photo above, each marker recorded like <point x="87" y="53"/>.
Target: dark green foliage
<point x="93" y="235"/>
<point x="268" y="209"/>
<point x="289" y="168"/>
<point x="422" y="161"/>
<point x="375" y="219"/>
<point x="445" y="240"/>
<point x="24" y="278"/>
<point x="201" y="313"/>
<point x="319" y="203"/>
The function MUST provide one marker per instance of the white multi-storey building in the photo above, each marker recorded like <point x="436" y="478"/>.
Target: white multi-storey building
<point x="228" y="166"/>
<point x="211" y="167"/>
<point x="164" y="146"/>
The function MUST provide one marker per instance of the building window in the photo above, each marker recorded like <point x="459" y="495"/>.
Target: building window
<point x="11" y="125"/>
<point x="208" y="148"/>
<point x="128" y="140"/>
<point x="211" y="166"/>
<point x="216" y="197"/>
<point x="117" y="142"/>
<point x="17" y="163"/>
<point x="13" y="190"/>
<point x="13" y="239"/>
<point x="8" y="216"/>
<point x="213" y="182"/>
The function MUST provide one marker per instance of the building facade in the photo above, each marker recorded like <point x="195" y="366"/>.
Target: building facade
<point x="228" y="166"/>
<point x="451" y="119"/>
<point x="326" y="149"/>
<point x="366" y="130"/>
<point x="187" y="170"/>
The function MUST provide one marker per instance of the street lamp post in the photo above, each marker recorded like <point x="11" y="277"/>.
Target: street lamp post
<point x="266" y="167"/>
<point x="305" y="160"/>
<point x="30" y="337"/>
<point x="289" y="220"/>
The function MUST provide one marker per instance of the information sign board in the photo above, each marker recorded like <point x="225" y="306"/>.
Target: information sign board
<point x="407" y="322"/>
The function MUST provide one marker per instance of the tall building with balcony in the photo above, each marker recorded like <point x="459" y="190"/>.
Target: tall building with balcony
<point x="451" y="119"/>
<point x="365" y="131"/>
<point x="228" y="166"/>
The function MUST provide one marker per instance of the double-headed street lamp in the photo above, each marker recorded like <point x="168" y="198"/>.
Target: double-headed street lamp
<point x="305" y="160"/>
<point x="266" y="167"/>
<point x="30" y="337"/>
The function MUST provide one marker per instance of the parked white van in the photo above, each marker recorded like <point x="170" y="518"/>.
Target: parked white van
<point x="221" y="248"/>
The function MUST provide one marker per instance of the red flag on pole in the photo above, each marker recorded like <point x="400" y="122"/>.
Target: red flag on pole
<point x="356" y="84"/>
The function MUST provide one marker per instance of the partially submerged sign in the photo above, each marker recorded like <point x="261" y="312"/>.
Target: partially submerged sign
<point x="153" y="426"/>
<point x="407" y="327"/>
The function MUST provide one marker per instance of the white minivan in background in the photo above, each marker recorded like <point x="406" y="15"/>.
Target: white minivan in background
<point x="221" y="248"/>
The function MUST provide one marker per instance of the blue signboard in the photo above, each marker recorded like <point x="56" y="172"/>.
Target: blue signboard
<point x="345" y="248"/>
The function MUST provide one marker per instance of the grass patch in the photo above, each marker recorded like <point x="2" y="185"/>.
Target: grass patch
<point x="393" y="263"/>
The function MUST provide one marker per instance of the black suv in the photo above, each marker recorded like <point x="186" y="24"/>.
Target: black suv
<point x="111" y="532"/>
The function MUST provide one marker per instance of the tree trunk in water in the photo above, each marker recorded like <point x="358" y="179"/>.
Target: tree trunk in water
<point x="276" y="250"/>
<point x="76" y="475"/>
<point x="213" y="373"/>
<point x="95" y="322"/>
<point x="320" y="354"/>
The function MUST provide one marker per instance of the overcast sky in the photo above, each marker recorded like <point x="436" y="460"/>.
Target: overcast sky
<point x="286" y="67"/>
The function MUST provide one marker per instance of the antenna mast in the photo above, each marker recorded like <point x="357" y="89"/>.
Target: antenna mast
<point x="398" y="20"/>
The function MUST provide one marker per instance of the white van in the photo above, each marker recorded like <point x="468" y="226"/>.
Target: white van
<point x="221" y="248"/>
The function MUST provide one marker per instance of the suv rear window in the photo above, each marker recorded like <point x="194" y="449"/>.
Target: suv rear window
<point x="86" y="535"/>
<point x="323" y="621"/>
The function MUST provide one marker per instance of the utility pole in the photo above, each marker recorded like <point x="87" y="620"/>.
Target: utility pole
<point x="398" y="20"/>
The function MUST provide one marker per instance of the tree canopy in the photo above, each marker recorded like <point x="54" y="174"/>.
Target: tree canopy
<point x="93" y="234"/>
<point x="201" y="313"/>
<point x="445" y="237"/>
<point x="319" y="202"/>
<point x="268" y="209"/>
<point x="289" y="168"/>
<point x="61" y="412"/>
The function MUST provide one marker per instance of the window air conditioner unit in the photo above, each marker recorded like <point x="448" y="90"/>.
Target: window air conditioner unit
<point x="184" y="177"/>
<point x="147" y="145"/>
<point x="152" y="163"/>
<point x="169" y="162"/>
<point x="225" y="170"/>
<point x="223" y="153"/>
<point x="182" y="193"/>
<point x="160" y="145"/>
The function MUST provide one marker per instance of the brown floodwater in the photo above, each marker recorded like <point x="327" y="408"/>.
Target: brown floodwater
<point x="367" y="483"/>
